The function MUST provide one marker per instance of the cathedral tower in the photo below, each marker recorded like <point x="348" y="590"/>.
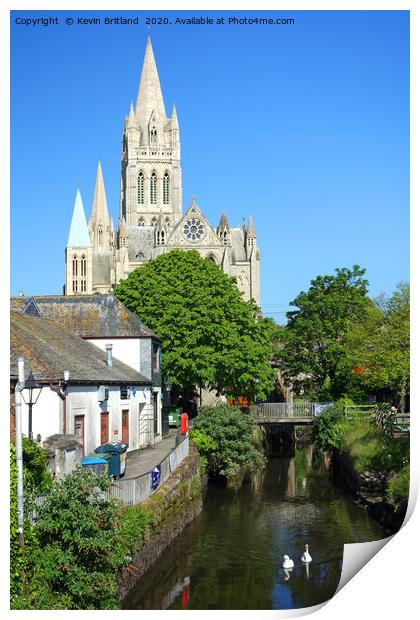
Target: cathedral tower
<point x="78" y="253"/>
<point x="150" y="164"/>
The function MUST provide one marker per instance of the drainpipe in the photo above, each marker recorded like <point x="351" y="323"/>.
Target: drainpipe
<point x="108" y="348"/>
<point x="19" y="457"/>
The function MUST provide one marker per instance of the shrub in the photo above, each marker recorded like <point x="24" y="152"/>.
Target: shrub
<point x="225" y="438"/>
<point x="331" y="427"/>
<point x="205" y="446"/>
<point x="81" y="546"/>
<point x="398" y="487"/>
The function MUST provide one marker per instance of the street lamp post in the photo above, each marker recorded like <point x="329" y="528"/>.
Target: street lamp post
<point x="168" y="388"/>
<point x="34" y="390"/>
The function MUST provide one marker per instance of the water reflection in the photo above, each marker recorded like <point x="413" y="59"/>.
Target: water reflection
<point x="231" y="556"/>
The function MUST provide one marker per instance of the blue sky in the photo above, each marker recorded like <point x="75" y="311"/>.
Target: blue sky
<point x="305" y="126"/>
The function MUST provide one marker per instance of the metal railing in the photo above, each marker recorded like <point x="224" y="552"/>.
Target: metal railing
<point x="138" y="488"/>
<point x="281" y="411"/>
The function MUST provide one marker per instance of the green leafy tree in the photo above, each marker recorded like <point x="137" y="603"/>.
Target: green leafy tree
<point x="81" y="547"/>
<point x="36" y="480"/>
<point x="225" y="437"/>
<point x="380" y="344"/>
<point x="211" y="336"/>
<point x="314" y="341"/>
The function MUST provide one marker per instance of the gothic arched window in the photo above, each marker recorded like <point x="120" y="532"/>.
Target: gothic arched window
<point x="100" y="236"/>
<point x="74" y="266"/>
<point x="225" y="238"/>
<point x="153" y="189"/>
<point x="168" y="221"/>
<point x="162" y="238"/>
<point x="141" y="221"/>
<point x="83" y="272"/>
<point x="154" y="221"/>
<point x="153" y="136"/>
<point x="166" y="189"/>
<point x="140" y="189"/>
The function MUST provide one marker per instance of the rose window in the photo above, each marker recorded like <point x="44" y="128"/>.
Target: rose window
<point x="193" y="229"/>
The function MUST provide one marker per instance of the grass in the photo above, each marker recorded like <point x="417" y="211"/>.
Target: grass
<point x="372" y="450"/>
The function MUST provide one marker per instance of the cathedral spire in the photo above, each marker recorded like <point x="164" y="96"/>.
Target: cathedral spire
<point x="149" y="97"/>
<point x="251" y="230"/>
<point x="174" y="118"/>
<point x="100" y="206"/>
<point x="78" y="235"/>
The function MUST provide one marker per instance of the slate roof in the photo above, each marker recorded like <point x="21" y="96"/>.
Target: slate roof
<point x="49" y="349"/>
<point x="89" y="316"/>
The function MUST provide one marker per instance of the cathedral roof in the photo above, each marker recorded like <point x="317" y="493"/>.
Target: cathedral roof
<point x="89" y="316"/>
<point x="49" y="349"/>
<point x="79" y="234"/>
<point x="149" y="97"/>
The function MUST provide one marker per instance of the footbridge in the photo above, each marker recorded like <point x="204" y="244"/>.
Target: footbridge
<point x="287" y="413"/>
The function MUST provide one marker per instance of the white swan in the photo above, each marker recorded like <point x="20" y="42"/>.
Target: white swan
<point x="288" y="563"/>
<point x="306" y="557"/>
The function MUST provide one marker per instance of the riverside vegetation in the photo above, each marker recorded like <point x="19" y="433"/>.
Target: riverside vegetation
<point x="224" y="437"/>
<point x="373" y="455"/>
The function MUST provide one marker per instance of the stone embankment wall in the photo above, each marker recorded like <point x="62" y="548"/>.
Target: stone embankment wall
<point x="369" y="490"/>
<point x="174" y="504"/>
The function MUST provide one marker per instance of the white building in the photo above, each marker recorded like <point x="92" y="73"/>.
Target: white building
<point x="103" y="399"/>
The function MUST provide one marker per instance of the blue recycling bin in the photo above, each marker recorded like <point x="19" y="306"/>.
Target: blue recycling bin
<point x="118" y="453"/>
<point x="98" y="465"/>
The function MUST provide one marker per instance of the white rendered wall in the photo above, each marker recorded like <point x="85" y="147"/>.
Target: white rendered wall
<point x="46" y="416"/>
<point x="126" y="350"/>
<point x="83" y="400"/>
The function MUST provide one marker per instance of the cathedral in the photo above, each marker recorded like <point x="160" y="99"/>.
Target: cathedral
<point x="151" y="219"/>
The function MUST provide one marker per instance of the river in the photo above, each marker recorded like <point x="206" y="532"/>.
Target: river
<point x="230" y="557"/>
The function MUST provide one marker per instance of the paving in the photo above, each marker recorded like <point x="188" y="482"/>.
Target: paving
<point x="142" y="461"/>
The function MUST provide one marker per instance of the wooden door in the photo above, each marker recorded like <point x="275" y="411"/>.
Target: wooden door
<point x="124" y="424"/>
<point x="104" y="427"/>
<point x="79" y="429"/>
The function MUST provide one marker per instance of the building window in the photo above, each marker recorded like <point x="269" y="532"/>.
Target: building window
<point x="225" y="238"/>
<point x="74" y="266"/>
<point x="168" y="221"/>
<point x="140" y="189"/>
<point x="153" y="136"/>
<point x="100" y="236"/>
<point x="166" y="189"/>
<point x="124" y="393"/>
<point x="153" y="189"/>
<point x="141" y="221"/>
<point x="83" y="272"/>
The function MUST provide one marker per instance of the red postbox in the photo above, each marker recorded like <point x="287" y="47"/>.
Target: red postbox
<point x="184" y="423"/>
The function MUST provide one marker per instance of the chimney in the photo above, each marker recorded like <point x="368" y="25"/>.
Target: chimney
<point x="108" y="348"/>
